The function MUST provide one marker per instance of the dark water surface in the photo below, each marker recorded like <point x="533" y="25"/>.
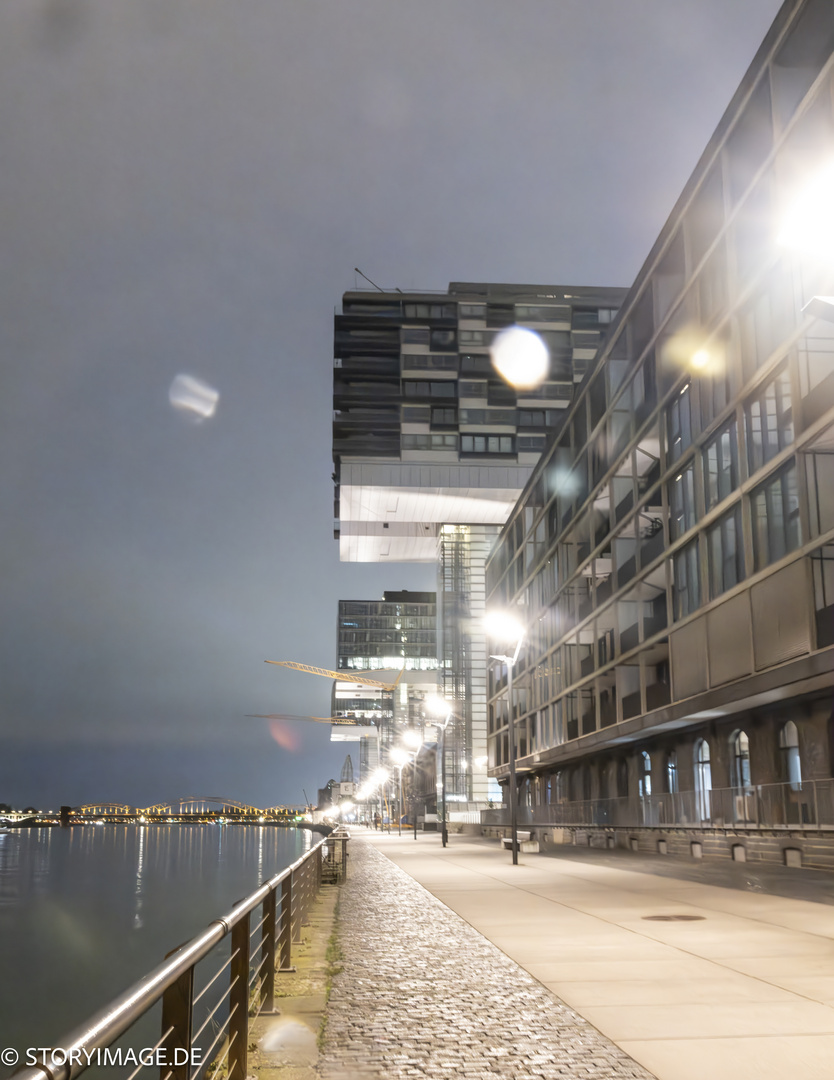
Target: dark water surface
<point x="85" y="911"/>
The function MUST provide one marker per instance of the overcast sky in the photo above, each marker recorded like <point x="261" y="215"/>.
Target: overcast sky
<point x="185" y="188"/>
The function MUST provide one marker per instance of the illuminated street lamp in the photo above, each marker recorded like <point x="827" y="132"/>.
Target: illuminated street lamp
<point x="504" y="628"/>
<point x="440" y="706"/>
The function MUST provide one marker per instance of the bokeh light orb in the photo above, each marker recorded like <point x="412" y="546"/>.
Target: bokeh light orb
<point x="520" y="357"/>
<point x="193" y="397"/>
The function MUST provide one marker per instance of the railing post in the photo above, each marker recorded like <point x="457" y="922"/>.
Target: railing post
<point x="176" y="1020"/>
<point x="305" y="892"/>
<point x="295" y="909"/>
<point x="318" y="868"/>
<point x="268" y="955"/>
<point x="239" y="1000"/>
<point x="344" y="857"/>
<point x="285" y="937"/>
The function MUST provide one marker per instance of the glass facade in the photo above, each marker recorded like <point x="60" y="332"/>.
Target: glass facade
<point x="675" y="538"/>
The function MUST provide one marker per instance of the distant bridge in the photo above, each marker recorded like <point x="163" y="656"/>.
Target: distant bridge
<point x="187" y="807"/>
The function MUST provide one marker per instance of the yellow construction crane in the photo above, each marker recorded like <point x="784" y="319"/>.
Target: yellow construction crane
<point x="356" y="677"/>
<point x="288" y="716"/>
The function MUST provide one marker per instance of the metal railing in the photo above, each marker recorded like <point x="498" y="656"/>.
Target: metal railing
<point x="807" y="805"/>
<point x="205" y="1014"/>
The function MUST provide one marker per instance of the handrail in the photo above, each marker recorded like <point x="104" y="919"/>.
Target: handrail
<point x="105" y="1026"/>
<point x="802" y="805"/>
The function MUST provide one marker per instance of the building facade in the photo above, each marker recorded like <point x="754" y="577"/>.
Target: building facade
<point x="672" y="555"/>
<point x="431" y="449"/>
<point x="395" y="634"/>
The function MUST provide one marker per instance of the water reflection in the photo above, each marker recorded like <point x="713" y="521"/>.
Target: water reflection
<point x="87" y="910"/>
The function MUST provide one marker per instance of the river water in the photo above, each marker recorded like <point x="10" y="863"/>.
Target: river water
<point x="85" y="911"/>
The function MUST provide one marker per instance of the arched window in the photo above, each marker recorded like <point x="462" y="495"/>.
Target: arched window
<point x="789" y="753"/>
<point x="740" y="762"/>
<point x="703" y="779"/>
<point x="644" y="785"/>
<point x="672" y="772"/>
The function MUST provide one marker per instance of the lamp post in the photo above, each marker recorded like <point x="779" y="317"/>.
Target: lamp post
<point x="400" y="758"/>
<point x="439" y="706"/>
<point x="413" y="741"/>
<point x="505" y="628"/>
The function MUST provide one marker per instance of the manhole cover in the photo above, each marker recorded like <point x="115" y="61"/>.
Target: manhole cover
<point x="673" y="918"/>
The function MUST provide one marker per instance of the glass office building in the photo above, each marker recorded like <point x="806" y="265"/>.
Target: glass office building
<point x="672" y="555"/>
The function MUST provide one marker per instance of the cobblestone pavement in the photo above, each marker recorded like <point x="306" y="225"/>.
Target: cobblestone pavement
<point x="424" y="994"/>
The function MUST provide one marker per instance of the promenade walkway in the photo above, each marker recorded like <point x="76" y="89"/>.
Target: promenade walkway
<point x="560" y="967"/>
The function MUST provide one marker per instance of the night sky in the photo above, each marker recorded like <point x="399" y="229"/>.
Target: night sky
<point x="185" y="189"/>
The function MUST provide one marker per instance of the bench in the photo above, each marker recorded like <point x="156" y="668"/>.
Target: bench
<point x="525" y="843"/>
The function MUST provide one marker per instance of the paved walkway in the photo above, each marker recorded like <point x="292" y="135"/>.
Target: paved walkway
<point x="423" y="994"/>
<point x="741" y="988"/>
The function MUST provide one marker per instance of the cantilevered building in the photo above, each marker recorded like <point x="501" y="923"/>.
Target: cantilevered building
<point x="672" y="554"/>
<point x="431" y="450"/>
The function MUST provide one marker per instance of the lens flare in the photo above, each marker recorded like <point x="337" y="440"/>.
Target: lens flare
<point x="286" y="737"/>
<point x="192" y="396"/>
<point x="520" y="357"/>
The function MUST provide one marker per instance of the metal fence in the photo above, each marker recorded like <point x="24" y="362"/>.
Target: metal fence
<point x="209" y="989"/>
<point x="802" y="805"/>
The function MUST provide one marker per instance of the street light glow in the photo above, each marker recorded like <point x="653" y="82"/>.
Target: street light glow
<point x="520" y="357"/>
<point x="438" y="705"/>
<point x="808" y="225"/>
<point x="503" y="627"/>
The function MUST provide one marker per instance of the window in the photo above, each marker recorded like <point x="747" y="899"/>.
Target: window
<point x="429" y="442"/>
<point x="703" y="779"/>
<point x="472" y="311"/>
<point x="687" y="581"/>
<point x="430" y="311"/>
<point x="415" y="335"/>
<point x="421" y="388"/>
<point x="672" y="772"/>
<point x="444" y="339"/>
<point x="541" y="313"/>
<point x="475" y="363"/>
<point x="789" y="755"/>
<point x="769" y="421"/>
<point x="721" y="466"/>
<point x="487" y="444"/>
<point x="444" y="416"/>
<point x="644" y="784"/>
<point x="802" y="56"/>
<point x="726" y="555"/>
<point x="682" y="502"/>
<point x="740" y="762"/>
<point x="679" y="423"/>
<point x="822" y="566"/>
<point x="776" y="526"/>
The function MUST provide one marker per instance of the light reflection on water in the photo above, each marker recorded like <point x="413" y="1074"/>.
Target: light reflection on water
<point x="85" y="911"/>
